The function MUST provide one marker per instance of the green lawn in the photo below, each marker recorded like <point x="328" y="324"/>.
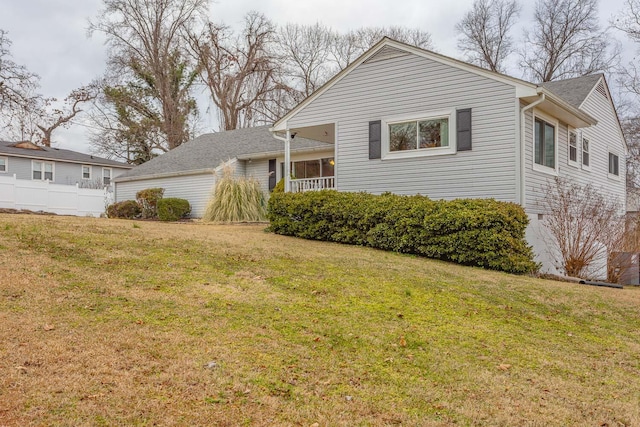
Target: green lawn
<point x="113" y="322"/>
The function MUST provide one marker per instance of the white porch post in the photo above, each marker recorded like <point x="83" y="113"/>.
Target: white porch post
<point x="287" y="162"/>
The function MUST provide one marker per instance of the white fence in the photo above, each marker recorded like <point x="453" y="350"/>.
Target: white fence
<point x="55" y="198"/>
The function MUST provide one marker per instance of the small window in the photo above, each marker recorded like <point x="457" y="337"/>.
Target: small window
<point x="42" y="171"/>
<point x="614" y="167"/>
<point x="585" y="151"/>
<point x="106" y="176"/>
<point x="573" y="147"/>
<point x="86" y="172"/>
<point x="312" y="168"/>
<point x="419" y="134"/>
<point x="3" y="164"/>
<point x="545" y="144"/>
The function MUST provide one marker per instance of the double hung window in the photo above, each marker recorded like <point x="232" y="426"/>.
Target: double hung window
<point x="544" y="143"/>
<point x="42" y="171"/>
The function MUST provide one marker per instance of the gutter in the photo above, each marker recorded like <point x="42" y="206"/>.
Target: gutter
<point x="271" y="154"/>
<point x="521" y="190"/>
<point x="165" y="175"/>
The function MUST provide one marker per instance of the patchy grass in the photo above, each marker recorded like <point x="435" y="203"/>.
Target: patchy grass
<point x="107" y="323"/>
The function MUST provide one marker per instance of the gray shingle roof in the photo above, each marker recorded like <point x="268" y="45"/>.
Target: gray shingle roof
<point x="208" y="151"/>
<point x="575" y="90"/>
<point x="49" y="153"/>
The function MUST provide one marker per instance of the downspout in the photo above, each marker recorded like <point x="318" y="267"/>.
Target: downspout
<point x="523" y="147"/>
<point x="287" y="159"/>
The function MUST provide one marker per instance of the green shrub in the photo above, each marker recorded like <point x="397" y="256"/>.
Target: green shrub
<point x="127" y="209"/>
<point x="477" y="232"/>
<point x="279" y="188"/>
<point x="236" y="199"/>
<point x="148" y="201"/>
<point x="173" y="209"/>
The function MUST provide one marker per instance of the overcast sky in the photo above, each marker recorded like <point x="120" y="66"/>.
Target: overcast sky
<point x="50" y="37"/>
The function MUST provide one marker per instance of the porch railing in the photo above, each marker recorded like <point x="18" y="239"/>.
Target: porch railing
<point x="313" y="184"/>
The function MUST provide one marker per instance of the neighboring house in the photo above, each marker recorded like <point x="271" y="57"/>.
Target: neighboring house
<point x="410" y="121"/>
<point x="28" y="161"/>
<point x="189" y="171"/>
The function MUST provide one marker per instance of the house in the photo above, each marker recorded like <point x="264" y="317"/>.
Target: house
<point x="410" y="121"/>
<point x="28" y="161"/>
<point x="189" y="171"/>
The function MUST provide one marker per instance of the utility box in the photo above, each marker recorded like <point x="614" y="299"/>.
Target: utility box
<point x="627" y="266"/>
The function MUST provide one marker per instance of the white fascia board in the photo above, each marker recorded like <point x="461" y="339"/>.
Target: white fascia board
<point x="165" y="175"/>
<point x="613" y="108"/>
<point x="581" y="115"/>
<point x="272" y="154"/>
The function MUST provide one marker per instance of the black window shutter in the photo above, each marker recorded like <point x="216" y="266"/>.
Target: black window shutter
<point x="375" y="139"/>
<point x="272" y="174"/>
<point x="463" y="124"/>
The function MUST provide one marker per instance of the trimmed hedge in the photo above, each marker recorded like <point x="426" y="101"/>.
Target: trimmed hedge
<point x="128" y="209"/>
<point x="475" y="232"/>
<point x="173" y="209"/>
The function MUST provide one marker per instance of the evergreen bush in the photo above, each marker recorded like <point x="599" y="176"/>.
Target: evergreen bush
<point x="173" y="209"/>
<point x="476" y="232"/>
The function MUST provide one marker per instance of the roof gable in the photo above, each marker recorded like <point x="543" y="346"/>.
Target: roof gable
<point x="388" y="48"/>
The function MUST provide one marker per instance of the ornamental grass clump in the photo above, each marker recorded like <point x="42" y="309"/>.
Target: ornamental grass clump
<point x="236" y="199"/>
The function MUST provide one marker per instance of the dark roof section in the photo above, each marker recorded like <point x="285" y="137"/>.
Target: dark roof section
<point x="210" y="150"/>
<point x="575" y="90"/>
<point x="48" y="153"/>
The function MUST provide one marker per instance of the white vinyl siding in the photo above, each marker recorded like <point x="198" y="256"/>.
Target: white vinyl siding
<point x="409" y="85"/>
<point x="194" y="188"/>
<point x="259" y="169"/>
<point x="604" y="138"/>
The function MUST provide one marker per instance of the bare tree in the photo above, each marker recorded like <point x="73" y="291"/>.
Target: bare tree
<point x="51" y="118"/>
<point x="240" y="70"/>
<point x="485" y="30"/>
<point x="304" y="53"/>
<point x="147" y="42"/>
<point x="565" y="41"/>
<point x="582" y="222"/>
<point x="17" y="90"/>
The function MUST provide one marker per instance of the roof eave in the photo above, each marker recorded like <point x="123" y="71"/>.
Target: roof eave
<point x="271" y="154"/>
<point x="574" y="117"/>
<point x="164" y="175"/>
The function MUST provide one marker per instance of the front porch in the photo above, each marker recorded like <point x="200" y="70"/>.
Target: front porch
<point x="310" y="174"/>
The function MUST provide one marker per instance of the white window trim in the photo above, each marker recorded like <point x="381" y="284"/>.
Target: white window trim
<point x="42" y="162"/>
<point x="6" y="164"/>
<point x="609" y="174"/>
<point x="570" y="162"/>
<point x="582" y="165"/>
<point x="110" y="175"/>
<point x="90" y="171"/>
<point x="449" y="114"/>
<point x="552" y="121"/>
